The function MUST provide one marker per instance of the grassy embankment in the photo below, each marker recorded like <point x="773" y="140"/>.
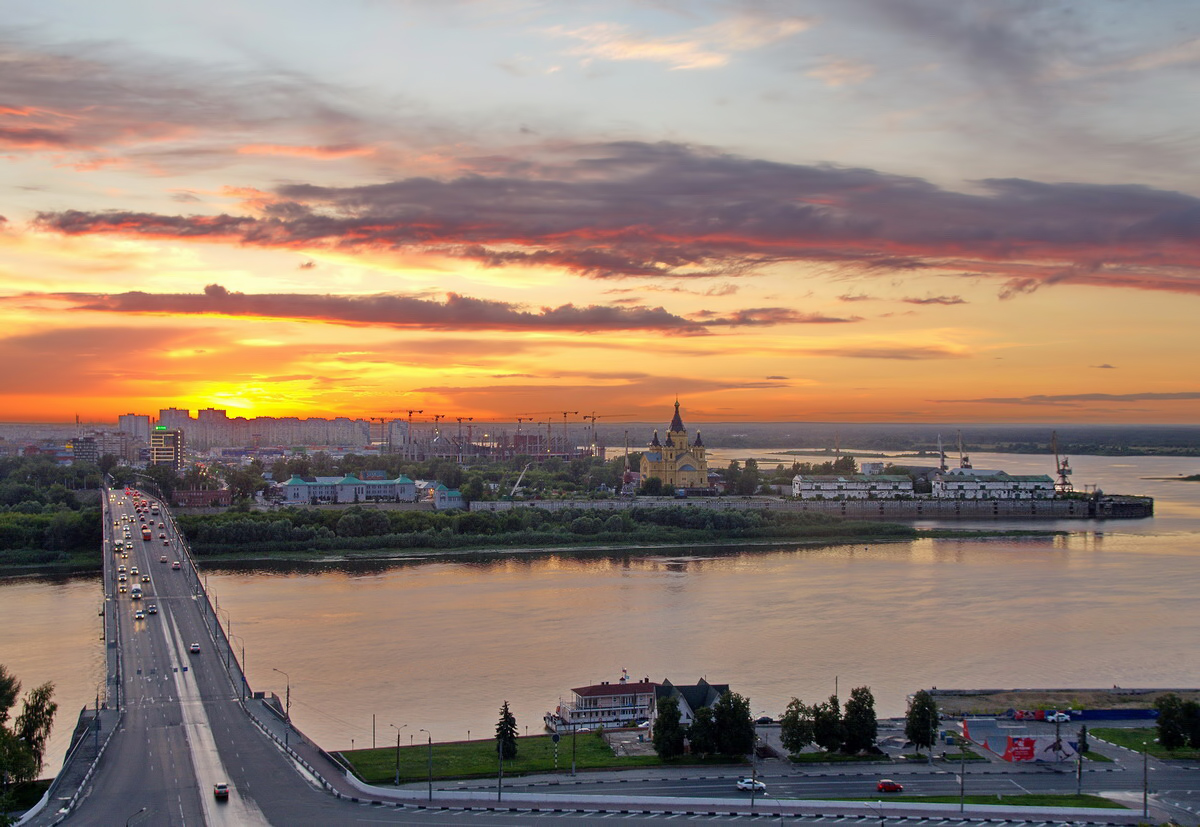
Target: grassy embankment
<point x="477" y="759"/>
<point x="1143" y="738"/>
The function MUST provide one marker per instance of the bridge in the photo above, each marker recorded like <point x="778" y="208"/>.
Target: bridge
<point x="179" y="717"/>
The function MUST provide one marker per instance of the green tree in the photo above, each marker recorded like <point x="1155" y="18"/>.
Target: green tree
<point x="748" y="480"/>
<point x="735" y="727"/>
<point x="828" y="730"/>
<point x="10" y="687"/>
<point x="796" y="726"/>
<point x="860" y="723"/>
<point x="1191" y="723"/>
<point x="164" y="477"/>
<point x="920" y="722"/>
<point x="23" y="744"/>
<point x="702" y="734"/>
<point x="1172" y="730"/>
<point x="652" y="487"/>
<point x="32" y="727"/>
<point x="668" y="733"/>
<point x="473" y="489"/>
<point x="506" y="734"/>
<point x="244" y="483"/>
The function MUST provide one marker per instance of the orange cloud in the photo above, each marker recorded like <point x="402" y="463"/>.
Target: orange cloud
<point x="317" y="152"/>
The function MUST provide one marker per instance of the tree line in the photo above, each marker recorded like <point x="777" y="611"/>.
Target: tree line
<point x="359" y="528"/>
<point x="42" y="518"/>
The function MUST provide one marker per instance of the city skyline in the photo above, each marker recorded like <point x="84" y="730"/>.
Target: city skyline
<point x="860" y="210"/>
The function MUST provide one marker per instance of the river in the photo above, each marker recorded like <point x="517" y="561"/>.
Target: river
<point x="439" y="645"/>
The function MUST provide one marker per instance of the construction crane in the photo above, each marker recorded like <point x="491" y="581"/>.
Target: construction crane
<point x="408" y="437"/>
<point x="591" y="418"/>
<point x="549" y="431"/>
<point x="520" y="477"/>
<point x="461" y="420"/>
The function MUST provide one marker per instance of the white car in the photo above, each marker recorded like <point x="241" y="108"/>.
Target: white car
<point x="752" y="784"/>
<point x="1058" y="717"/>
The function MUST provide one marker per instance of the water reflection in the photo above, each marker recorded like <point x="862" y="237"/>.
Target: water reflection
<point x="443" y="641"/>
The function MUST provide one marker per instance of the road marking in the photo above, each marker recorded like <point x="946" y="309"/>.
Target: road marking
<point x="206" y="759"/>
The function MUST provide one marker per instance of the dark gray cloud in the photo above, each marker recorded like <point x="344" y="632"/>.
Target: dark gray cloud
<point x="635" y="210"/>
<point x="936" y="300"/>
<point x="457" y="312"/>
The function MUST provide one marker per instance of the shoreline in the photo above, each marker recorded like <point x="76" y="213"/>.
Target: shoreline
<point x="432" y="554"/>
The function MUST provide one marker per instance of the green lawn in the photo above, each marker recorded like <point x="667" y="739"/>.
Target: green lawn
<point x="1140" y="738"/>
<point x="474" y="759"/>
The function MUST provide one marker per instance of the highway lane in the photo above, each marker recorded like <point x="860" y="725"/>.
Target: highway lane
<point x="183" y="729"/>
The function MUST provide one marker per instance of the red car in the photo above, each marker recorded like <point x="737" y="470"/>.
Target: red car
<point x="221" y="792"/>
<point x="887" y="785"/>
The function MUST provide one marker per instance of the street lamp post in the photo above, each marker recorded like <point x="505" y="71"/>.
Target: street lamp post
<point x="1145" y="782"/>
<point x="242" y="663"/>
<point x="287" y="707"/>
<point x="228" y="635"/>
<point x="397" y="728"/>
<point x="129" y="820"/>
<point x="430" y="734"/>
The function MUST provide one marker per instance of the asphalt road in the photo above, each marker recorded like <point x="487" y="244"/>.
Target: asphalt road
<point x="182" y="728"/>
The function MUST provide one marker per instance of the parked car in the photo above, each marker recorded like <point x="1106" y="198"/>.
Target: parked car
<point x="752" y="784"/>
<point x="887" y="785"/>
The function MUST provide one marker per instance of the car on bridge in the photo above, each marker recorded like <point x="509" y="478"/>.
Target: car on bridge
<point x="752" y="784"/>
<point x="221" y="792"/>
<point x="176" y="566"/>
<point x="152" y="609"/>
<point x="194" y="648"/>
<point x="139" y="615"/>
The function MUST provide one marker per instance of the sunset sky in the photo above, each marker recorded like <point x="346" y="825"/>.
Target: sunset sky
<point x="824" y="210"/>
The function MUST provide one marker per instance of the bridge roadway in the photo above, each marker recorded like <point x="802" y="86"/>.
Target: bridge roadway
<point x="177" y="722"/>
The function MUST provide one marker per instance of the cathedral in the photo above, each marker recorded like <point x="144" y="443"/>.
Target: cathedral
<point x="676" y="462"/>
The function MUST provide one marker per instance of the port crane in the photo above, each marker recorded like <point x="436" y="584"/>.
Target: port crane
<point x="1062" y="468"/>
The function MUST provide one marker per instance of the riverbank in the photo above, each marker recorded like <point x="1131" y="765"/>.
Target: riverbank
<point x="958" y="702"/>
<point x="389" y="556"/>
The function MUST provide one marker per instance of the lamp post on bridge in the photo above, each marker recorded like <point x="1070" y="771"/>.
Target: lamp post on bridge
<point x="287" y="708"/>
<point x="242" y="664"/>
<point x="228" y="633"/>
